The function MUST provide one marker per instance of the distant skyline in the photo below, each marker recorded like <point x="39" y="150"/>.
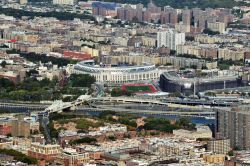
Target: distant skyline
<point x="186" y="3"/>
<point x="177" y="3"/>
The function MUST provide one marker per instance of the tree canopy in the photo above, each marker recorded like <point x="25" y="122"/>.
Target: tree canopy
<point x="165" y="125"/>
<point x="3" y="64"/>
<point x="87" y="140"/>
<point x="33" y="57"/>
<point x="81" y="80"/>
<point x="19" y="156"/>
<point x="59" y="15"/>
<point x="210" y="32"/>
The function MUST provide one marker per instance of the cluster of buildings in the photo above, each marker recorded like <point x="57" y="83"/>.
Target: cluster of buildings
<point x="20" y="126"/>
<point x="147" y="150"/>
<point x="181" y="147"/>
<point x="64" y="2"/>
<point x="16" y="69"/>
<point x="131" y="44"/>
<point x="129" y="52"/>
<point x="232" y="123"/>
<point x="215" y="19"/>
<point x="209" y="49"/>
<point x="101" y="134"/>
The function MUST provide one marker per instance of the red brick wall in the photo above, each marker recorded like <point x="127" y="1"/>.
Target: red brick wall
<point x="247" y="55"/>
<point x="76" y="55"/>
<point x="5" y="129"/>
<point x="41" y="162"/>
<point x="42" y="156"/>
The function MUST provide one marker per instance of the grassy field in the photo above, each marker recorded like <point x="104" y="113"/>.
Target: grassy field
<point x="138" y="88"/>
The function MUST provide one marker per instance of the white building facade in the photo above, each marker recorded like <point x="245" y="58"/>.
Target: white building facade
<point x="217" y="27"/>
<point x="170" y="39"/>
<point x="119" y="74"/>
<point x="63" y="2"/>
<point x="23" y="2"/>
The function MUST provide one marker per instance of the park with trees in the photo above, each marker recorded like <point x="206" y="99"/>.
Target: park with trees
<point x="34" y="90"/>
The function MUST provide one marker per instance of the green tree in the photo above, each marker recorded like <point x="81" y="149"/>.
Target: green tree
<point x="231" y="153"/>
<point x="112" y="137"/>
<point x="210" y="32"/>
<point x="189" y="38"/>
<point x="185" y="123"/>
<point x="3" y="64"/>
<point x="87" y="140"/>
<point x="81" y="80"/>
<point x="175" y="94"/>
<point x="6" y="83"/>
<point x="32" y="72"/>
<point x="210" y="94"/>
<point x="19" y="156"/>
<point x="135" y="19"/>
<point x="204" y="68"/>
<point x="53" y="132"/>
<point x="33" y="57"/>
<point x="115" y="92"/>
<point x="193" y="66"/>
<point x="172" y="52"/>
<point x="59" y="15"/>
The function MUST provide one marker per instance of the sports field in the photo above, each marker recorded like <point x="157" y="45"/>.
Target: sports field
<point x="139" y="88"/>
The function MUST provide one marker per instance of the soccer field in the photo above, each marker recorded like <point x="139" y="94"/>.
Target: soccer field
<point x="138" y="88"/>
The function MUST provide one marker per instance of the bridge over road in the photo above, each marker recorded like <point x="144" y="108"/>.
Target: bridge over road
<point x="98" y="104"/>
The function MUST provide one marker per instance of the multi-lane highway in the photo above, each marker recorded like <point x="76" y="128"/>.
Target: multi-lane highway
<point x="22" y="107"/>
<point x="118" y="104"/>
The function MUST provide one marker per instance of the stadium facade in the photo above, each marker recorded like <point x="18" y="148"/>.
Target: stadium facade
<point x="171" y="82"/>
<point x="120" y="74"/>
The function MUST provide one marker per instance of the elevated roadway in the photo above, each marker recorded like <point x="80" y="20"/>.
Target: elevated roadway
<point x="100" y="104"/>
<point x="148" y="112"/>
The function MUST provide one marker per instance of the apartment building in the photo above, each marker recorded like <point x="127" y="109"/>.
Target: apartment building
<point x="219" y="146"/>
<point x="170" y="39"/>
<point x="46" y="152"/>
<point x="63" y="2"/>
<point x="233" y="124"/>
<point x="217" y="26"/>
<point x="233" y="54"/>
